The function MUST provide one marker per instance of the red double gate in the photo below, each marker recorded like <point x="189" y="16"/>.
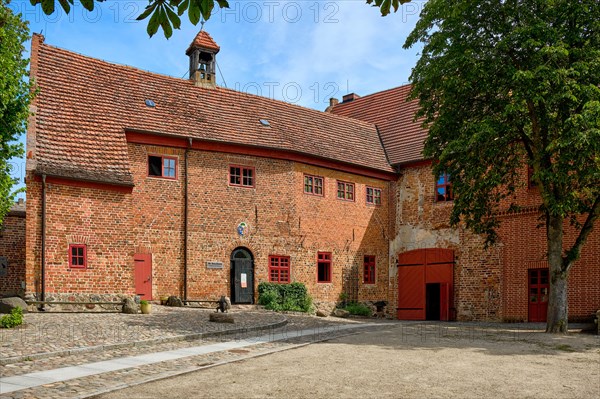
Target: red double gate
<point x="425" y="284"/>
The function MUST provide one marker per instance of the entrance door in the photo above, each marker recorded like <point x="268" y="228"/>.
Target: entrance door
<point x="242" y="276"/>
<point x="425" y="280"/>
<point x="432" y="301"/>
<point x="538" y="294"/>
<point x="143" y="275"/>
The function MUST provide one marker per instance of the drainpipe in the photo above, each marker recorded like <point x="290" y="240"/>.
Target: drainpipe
<point x="43" y="296"/>
<point x="185" y="222"/>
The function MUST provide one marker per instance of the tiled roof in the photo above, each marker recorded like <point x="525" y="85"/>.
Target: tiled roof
<point x="204" y="40"/>
<point x="85" y="104"/>
<point x="402" y="137"/>
<point x="17" y="207"/>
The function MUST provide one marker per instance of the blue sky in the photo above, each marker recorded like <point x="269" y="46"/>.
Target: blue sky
<point x="303" y="52"/>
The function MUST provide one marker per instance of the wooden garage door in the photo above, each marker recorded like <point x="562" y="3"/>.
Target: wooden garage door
<point x="415" y="270"/>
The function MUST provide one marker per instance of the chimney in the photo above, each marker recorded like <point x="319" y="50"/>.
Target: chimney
<point x="21" y="202"/>
<point x="350" y="97"/>
<point x="332" y="103"/>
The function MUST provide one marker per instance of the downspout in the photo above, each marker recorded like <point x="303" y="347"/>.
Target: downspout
<point x="43" y="294"/>
<point x="185" y="222"/>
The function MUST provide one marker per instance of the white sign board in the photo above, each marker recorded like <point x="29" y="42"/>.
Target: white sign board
<point x="214" y="265"/>
<point x="244" y="280"/>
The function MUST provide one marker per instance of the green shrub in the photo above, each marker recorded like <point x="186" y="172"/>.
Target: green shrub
<point x="15" y="318"/>
<point x="358" y="309"/>
<point x="284" y="297"/>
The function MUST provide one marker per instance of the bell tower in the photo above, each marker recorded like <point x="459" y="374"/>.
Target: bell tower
<point x="202" y="52"/>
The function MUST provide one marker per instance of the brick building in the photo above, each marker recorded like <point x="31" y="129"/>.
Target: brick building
<point x="12" y="251"/>
<point x="145" y="184"/>
<point x="445" y="272"/>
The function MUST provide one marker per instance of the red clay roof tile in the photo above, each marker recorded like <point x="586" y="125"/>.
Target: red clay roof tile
<point x="85" y="105"/>
<point x="203" y="40"/>
<point x="402" y="136"/>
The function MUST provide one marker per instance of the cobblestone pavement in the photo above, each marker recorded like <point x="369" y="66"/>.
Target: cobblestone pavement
<point x="116" y="336"/>
<point x="301" y="329"/>
<point x="44" y="334"/>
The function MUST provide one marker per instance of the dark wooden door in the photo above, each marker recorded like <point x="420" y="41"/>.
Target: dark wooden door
<point x="538" y="294"/>
<point x="143" y="275"/>
<point x="242" y="276"/>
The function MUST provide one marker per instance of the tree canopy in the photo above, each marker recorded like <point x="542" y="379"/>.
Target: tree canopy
<point x="506" y="84"/>
<point x="166" y="14"/>
<point x="14" y="98"/>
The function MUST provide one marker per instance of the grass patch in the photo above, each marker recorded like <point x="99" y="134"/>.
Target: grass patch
<point x="15" y="318"/>
<point x="564" y="348"/>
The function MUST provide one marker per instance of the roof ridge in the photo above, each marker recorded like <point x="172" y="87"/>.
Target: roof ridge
<point x="374" y="94"/>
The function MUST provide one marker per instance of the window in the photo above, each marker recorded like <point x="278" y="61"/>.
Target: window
<point x="162" y="166"/>
<point x="373" y="196"/>
<point x="242" y="176"/>
<point x="345" y="191"/>
<point x="324" y="267"/>
<point x="443" y="188"/>
<point x="279" y="269"/>
<point x="369" y="270"/>
<point x="77" y="256"/>
<point x="530" y="182"/>
<point x="313" y="185"/>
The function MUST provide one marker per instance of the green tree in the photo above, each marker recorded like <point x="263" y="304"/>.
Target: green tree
<point x="14" y="98"/>
<point x="508" y="83"/>
<point x="165" y="14"/>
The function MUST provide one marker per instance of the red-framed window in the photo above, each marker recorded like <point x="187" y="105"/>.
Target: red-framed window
<point x="530" y="182"/>
<point x="279" y="269"/>
<point x="241" y="176"/>
<point x="77" y="256"/>
<point x="373" y="196"/>
<point x="345" y="191"/>
<point x="313" y="185"/>
<point x="162" y="166"/>
<point x="369" y="270"/>
<point x="324" y="267"/>
<point x="443" y="188"/>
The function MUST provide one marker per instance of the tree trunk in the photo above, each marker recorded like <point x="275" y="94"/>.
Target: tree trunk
<point x="558" y="312"/>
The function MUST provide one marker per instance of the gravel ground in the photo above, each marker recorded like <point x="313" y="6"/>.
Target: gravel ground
<point x="407" y="360"/>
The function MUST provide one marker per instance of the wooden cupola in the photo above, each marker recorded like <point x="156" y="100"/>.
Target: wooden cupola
<point x="203" y="52"/>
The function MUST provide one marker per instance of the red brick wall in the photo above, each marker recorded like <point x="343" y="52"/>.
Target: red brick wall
<point x="12" y="246"/>
<point x="98" y="218"/>
<point x="282" y="221"/>
<point x="525" y="248"/>
<point x="490" y="284"/>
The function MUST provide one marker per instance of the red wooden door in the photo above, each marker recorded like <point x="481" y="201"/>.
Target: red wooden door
<point x="143" y="275"/>
<point x="416" y="269"/>
<point x="538" y="294"/>
<point x="444" y="301"/>
<point x="411" y="292"/>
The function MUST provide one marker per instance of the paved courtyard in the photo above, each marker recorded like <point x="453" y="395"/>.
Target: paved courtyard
<point x="178" y="353"/>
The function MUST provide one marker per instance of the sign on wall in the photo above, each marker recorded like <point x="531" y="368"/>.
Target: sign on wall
<point x="214" y="265"/>
<point x="3" y="266"/>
